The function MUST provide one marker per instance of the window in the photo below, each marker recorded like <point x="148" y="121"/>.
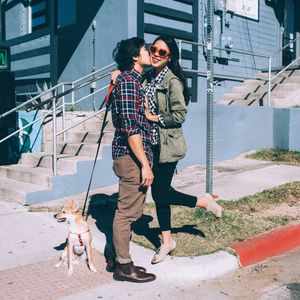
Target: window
<point x="39" y="14"/>
<point x="66" y="12"/>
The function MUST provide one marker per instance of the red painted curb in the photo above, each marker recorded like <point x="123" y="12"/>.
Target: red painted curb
<point x="273" y="243"/>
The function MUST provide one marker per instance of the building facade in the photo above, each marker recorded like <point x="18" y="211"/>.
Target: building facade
<point x="56" y="41"/>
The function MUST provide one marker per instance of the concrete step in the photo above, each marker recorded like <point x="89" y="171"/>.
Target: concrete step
<point x="90" y="137"/>
<point x="96" y="124"/>
<point x="245" y="102"/>
<point x="42" y="159"/>
<point x="241" y="89"/>
<point x="288" y="86"/>
<point x="280" y="94"/>
<point x="75" y="149"/>
<point x="233" y="96"/>
<point x="293" y="79"/>
<point x="254" y="96"/>
<point x="252" y="82"/>
<point x="35" y="175"/>
<point x="15" y="191"/>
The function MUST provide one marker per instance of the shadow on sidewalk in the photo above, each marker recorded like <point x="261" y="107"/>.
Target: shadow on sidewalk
<point x="102" y="209"/>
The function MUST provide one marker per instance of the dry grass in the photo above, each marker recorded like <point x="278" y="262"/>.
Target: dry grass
<point x="198" y="232"/>
<point x="278" y="155"/>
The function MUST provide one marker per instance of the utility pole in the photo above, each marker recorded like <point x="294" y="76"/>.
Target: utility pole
<point x="210" y="95"/>
<point x="93" y="84"/>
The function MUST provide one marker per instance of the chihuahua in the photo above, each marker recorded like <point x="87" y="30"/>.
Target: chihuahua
<point x="78" y="248"/>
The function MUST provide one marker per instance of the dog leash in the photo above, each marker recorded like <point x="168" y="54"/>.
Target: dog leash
<point x="107" y="102"/>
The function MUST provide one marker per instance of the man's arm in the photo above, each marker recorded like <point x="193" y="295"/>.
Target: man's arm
<point x="129" y="91"/>
<point x="136" y="145"/>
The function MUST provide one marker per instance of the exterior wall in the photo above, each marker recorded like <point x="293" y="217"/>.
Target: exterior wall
<point x="112" y="25"/>
<point x="260" y="37"/>
<point x="240" y="129"/>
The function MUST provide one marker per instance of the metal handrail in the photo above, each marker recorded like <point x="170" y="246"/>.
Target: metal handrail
<point x="285" y="46"/>
<point x="55" y="99"/>
<point x="27" y="125"/>
<point x="276" y="75"/>
<point x="33" y="99"/>
<point x="81" y="121"/>
<point x="269" y="79"/>
<point x="220" y="48"/>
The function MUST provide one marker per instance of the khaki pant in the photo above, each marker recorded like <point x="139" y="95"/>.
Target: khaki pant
<point x="130" y="204"/>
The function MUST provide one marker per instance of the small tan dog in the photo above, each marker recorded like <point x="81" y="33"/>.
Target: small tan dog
<point x="78" y="248"/>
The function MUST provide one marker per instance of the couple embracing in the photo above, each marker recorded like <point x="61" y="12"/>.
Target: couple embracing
<point x="148" y="111"/>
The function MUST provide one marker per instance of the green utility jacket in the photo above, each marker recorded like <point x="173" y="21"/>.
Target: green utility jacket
<point x="171" y="105"/>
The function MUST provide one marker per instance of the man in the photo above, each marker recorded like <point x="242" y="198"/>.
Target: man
<point x="131" y="152"/>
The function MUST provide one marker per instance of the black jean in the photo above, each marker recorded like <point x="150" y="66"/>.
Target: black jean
<point x="163" y="194"/>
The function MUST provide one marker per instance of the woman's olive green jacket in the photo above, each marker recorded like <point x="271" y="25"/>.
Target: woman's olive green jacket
<point x="172" y="107"/>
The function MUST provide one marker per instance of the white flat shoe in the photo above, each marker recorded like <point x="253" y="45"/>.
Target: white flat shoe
<point x="163" y="251"/>
<point x="212" y="205"/>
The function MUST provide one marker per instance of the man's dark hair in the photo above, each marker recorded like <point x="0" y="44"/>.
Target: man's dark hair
<point x="125" y="51"/>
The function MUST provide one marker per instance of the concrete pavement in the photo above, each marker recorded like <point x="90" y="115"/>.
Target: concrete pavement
<point x="32" y="241"/>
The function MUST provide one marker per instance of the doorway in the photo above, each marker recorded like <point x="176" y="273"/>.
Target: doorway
<point x="291" y="26"/>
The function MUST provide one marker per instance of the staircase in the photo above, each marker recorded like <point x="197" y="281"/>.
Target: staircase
<point x="31" y="180"/>
<point x="285" y="91"/>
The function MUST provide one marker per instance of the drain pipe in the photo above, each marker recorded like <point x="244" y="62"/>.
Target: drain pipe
<point x="54" y="130"/>
<point x="269" y="80"/>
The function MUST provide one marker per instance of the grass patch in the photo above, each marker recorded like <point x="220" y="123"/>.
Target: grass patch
<point x="198" y="232"/>
<point x="278" y="155"/>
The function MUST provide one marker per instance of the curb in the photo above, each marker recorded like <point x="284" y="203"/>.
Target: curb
<point x="274" y="243"/>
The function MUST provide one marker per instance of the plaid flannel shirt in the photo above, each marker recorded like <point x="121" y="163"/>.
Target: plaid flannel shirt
<point x="128" y="114"/>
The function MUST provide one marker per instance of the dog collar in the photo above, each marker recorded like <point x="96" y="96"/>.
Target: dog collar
<point x="79" y="236"/>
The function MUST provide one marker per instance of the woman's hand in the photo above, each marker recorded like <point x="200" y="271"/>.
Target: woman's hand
<point x="149" y="116"/>
<point x="114" y="74"/>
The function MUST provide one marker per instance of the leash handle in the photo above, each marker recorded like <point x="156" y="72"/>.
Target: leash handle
<point x="108" y="95"/>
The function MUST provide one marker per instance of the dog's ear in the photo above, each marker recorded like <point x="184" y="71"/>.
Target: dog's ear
<point x="76" y="205"/>
<point x="70" y="202"/>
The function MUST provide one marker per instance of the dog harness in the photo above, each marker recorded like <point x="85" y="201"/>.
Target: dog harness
<point x="79" y="236"/>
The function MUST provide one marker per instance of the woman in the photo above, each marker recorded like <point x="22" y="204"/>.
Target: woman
<point x="166" y="107"/>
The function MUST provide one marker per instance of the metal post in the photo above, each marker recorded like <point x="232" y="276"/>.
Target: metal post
<point x="73" y="95"/>
<point x="93" y="85"/>
<point x="63" y="113"/>
<point x="269" y="80"/>
<point x="54" y="149"/>
<point x="210" y="95"/>
<point x="180" y="51"/>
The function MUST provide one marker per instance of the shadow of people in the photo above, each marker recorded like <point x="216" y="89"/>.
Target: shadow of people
<point x="142" y="227"/>
<point x="102" y="209"/>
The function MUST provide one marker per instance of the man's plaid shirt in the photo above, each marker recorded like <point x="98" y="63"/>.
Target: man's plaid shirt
<point x="128" y="114"/>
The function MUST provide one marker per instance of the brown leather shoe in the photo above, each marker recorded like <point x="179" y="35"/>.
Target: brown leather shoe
<point x="111" y="266"/>
<point x="128" y="272"/>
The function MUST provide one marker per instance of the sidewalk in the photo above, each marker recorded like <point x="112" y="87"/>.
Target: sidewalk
<point x="31" y="243"/>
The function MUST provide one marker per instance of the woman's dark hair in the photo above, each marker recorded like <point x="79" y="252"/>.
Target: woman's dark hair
<point x="174" y="63"/>
<point x="125" y="51"/>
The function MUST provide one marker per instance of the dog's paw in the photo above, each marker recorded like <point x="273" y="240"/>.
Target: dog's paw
<point x="58" y="264"/>
<point x="92" y="268"/>
<point x="70" y="272"/>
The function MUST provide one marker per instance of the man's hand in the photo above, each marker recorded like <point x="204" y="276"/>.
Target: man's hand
<point x="114" y="74"/>
<point x="147" y="177"/>
<point x="149" y="116"/>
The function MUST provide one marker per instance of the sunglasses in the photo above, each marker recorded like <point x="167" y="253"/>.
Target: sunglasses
<point x="163" y="53"/>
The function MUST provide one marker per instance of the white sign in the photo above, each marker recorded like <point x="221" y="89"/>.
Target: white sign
<point x="245" y="8"/>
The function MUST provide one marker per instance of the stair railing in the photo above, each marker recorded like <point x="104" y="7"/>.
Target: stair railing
<point x="203" y="73"/>
<point x="58" y="104"/>
<point x="230" y="77"/>
<point x="285" y="68"/>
